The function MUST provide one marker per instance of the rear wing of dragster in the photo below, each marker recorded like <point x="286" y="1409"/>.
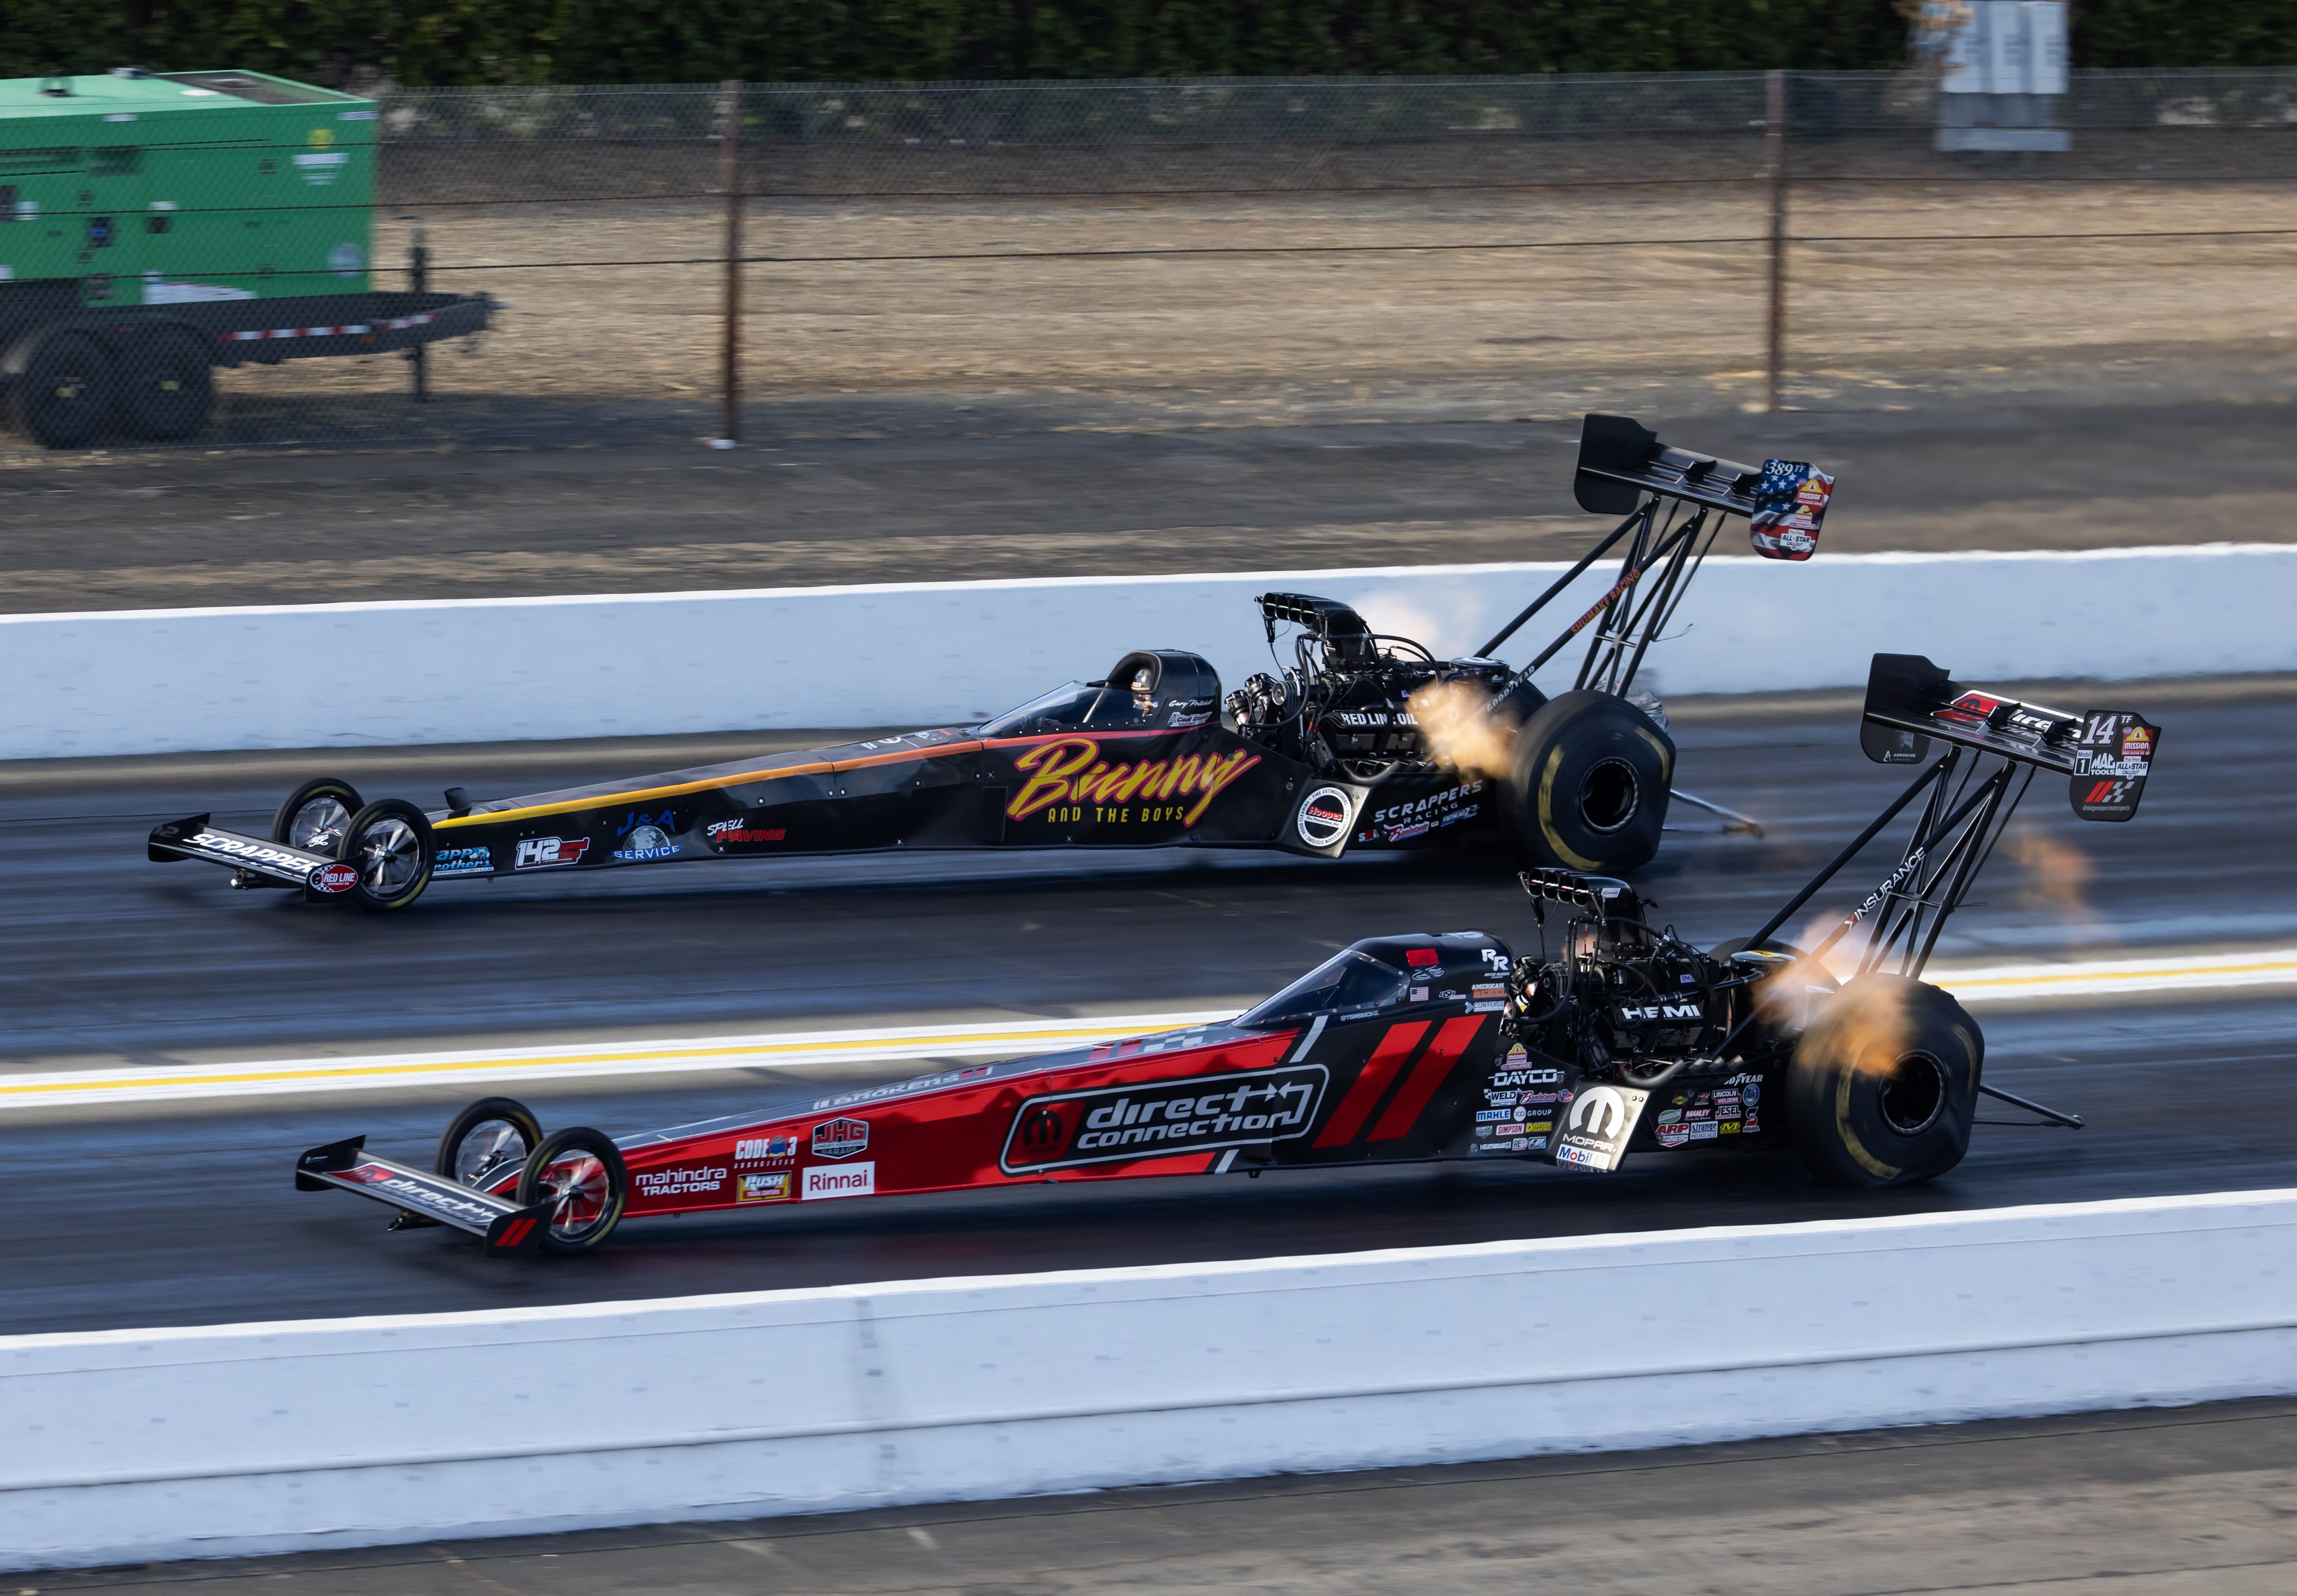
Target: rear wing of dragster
<point x="2106" y="755"/>
<point x="1676" y="503"/>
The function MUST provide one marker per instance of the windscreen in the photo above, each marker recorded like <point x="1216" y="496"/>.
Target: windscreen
<point x="1076" y="706"/>
<point x="1349" y="982"/>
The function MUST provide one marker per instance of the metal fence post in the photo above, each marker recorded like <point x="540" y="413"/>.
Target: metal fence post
<point x="418" y="278"/>
<point x="729" y="180"/>
<point x="1774" y="150"/>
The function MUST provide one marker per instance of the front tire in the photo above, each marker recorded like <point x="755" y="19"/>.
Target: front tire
<point x="1884" y="1084"/>
<point x="389" y="844"/>
<point x="579" y="1174"/>
<point x="315" y="816"/>
<point x="1589" y="788"/>
<point x="494" y="1136"/>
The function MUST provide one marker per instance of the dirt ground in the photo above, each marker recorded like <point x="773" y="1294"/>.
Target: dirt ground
<point x="934" y="419"/>
<point x="1626" y="289"/>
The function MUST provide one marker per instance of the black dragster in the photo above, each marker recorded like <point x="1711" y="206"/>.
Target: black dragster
<point x="1340" y="751"/>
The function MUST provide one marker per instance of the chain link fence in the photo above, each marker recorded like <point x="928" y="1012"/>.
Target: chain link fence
<point x="1163" y="250"/>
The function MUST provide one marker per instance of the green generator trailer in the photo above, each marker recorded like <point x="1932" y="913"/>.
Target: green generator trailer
<point x="155" y="225"/>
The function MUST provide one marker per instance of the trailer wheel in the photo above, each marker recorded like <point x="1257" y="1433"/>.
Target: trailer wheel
<point x="389" y="842"/>
<point x="315" y="816"/>
<point x="1589" y="788"/>
<point x="66" y="391"/>
<point x="579" y="1174"/>
<point x="490" y="1138"/>
<point x="167" y="383"/>
<point x="1884" y="1084"/>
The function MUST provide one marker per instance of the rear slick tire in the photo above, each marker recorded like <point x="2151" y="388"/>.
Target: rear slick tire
<point x="1884" y="1084"/>
<point x="1589" y="786"/>
<point x="580" y="1173"/>
<point x="389" y="844"/>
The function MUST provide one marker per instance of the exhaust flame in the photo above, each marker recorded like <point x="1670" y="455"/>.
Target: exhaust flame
<point x="1463" y="731"/>
<point x="2057" y="872"/>
<point x="1870" y="1026"/>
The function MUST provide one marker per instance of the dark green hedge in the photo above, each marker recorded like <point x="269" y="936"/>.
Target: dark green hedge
<point x="617" y="41"/>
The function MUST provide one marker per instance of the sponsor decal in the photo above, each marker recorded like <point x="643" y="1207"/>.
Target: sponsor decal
<point x="1672" y="1135"/>
<point x="1432" y="805"/>
<point x="679" y="1182"/>
<point x="464" y="862"/>
<point x="1528" y="1078"/>
<point x="542" y="853"/>
<point x="1751" y="1094"/>
<point x="1643" y="1014"/>
<point x="642" y="843"/>
<point x="254" y="853"/>
<point x="1189" y="720"/>
<point x="416" y="1194"/>
<point x="900" y="1089"/>
<point x="1418" y="956"/>
<point x="757" y="1148"/>
<point x="1971" y="709"/>
<point x="841" y="1180"/>
<point x="337" y="877"/>
<point x="1068" y="773"/>
<point x="744" y="834"/>
<point x="1494" y="1115"/>
<point x="1516" y="1129"/>
<point x="1480" y="992"/>
<point x="774" y="1187"/>
<point x="1111" y="1124"/>
<point x="1704" y="1130"/>
<point x="1594" y="1135"/>
<point x="1670" y="1116"/>
<point x="1501" y="1099"/>
<point x="841" y="1138"/>
<point x="1323" y="816"/>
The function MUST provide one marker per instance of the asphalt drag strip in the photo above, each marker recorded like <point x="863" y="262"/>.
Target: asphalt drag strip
<point x="185" y="1213"/>
<point x="2145" y="1503"/>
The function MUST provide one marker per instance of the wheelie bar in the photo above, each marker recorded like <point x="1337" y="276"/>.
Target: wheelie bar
<point x="509" y="1230"/>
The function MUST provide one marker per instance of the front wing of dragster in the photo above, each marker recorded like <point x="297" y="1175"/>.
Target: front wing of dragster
<point x="507" y="1228"/>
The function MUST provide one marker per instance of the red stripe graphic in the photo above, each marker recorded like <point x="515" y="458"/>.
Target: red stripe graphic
<point x="1385" y="1059"/>
<point x="1426" y="1076"/>
<point x="515" y="1233"/>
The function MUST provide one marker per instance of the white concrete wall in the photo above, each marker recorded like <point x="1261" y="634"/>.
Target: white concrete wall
<point x="133" y="1444"/>
<point x="149" y="681"/>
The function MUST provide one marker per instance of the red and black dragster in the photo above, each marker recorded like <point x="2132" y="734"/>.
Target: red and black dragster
<point x="1404" y="1048"/>
<point x="1329" y="756"/>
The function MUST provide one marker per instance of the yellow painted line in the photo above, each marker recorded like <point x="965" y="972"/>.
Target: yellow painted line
<point x="899" y="1044"/>
<point x="780" y="1050"/>
<point x="2002" y="982"/>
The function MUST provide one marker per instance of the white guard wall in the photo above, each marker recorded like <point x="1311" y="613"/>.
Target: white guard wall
<point x="151" y="681"/>
<point x="133" y="1444"/>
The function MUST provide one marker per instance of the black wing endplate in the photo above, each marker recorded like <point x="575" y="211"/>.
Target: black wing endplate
<point x="2104" y="754"/>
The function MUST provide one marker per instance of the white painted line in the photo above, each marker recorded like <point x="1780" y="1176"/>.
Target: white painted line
<point x="1992" y="984"/>
<point x="774" y="1051"/>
